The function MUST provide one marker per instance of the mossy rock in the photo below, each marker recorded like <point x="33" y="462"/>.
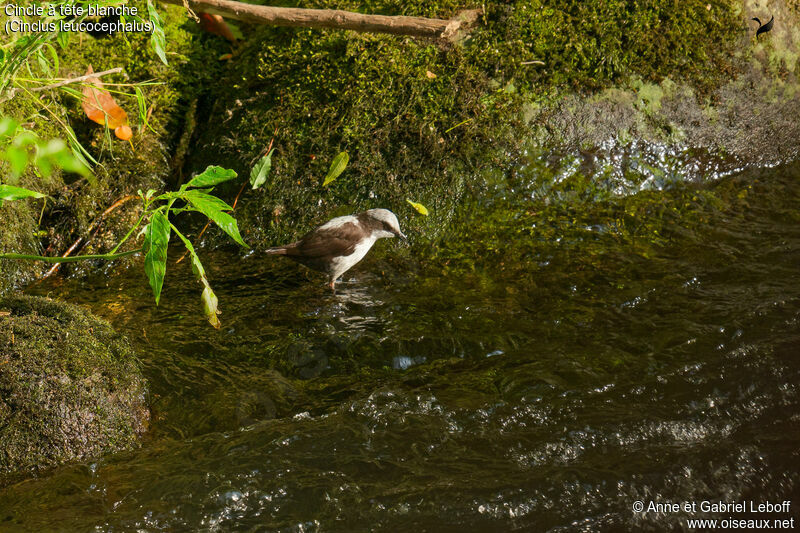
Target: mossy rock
<point x="419" y="119"/>
<point x="70" y="387"/>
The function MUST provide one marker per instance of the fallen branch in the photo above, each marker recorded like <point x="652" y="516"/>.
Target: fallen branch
<point x="76" y="80"/>
<point x="334" y="18"/>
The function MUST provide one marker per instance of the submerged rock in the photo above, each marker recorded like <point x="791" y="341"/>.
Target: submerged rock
<point x="70" y="386"/>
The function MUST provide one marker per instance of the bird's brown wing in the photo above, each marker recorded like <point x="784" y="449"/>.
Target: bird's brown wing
<point x="318" y="248"/>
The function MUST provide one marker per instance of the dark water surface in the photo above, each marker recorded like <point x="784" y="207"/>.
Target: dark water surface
<point x="594" y="331"/>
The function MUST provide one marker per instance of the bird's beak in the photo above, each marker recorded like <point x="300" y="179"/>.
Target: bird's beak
<point x="400" y="234"/>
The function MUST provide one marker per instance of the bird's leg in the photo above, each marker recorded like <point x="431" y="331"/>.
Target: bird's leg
<point x="333" y="282"/>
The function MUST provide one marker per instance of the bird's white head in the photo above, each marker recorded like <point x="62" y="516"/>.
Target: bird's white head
<point x="387" y="226"/>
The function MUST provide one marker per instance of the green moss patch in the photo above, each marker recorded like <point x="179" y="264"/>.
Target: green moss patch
<point x="70" y="387"/>
<point x="419" y="119"/>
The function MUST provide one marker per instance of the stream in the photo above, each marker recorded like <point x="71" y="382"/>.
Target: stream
<point x="591" y="330"/>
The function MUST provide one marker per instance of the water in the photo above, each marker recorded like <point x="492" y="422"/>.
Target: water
<point x="591" y="333"/>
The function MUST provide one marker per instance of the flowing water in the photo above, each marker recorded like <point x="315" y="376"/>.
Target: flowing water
<point x="594" y="330"/>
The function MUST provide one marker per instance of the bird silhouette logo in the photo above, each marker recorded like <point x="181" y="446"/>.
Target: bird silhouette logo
<point x="763" y="28"/>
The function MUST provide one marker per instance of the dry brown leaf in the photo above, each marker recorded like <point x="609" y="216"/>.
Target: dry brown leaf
<point x="216" y="24"/>
<point x="100" y="107"/>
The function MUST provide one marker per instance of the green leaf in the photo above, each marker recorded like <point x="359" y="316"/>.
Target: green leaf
<point x="211" y="176"/>
<point x="44" y="166"/>
<point x="9" y="192"/>
<point x="43" y="64"/>
<point x="200" y="195"/>
<point x="214" y="208"/>
<point x="235" y="30"/>
<point x="337" y="167"/>
<point x="421" y="209"/>
<point x="53" y="55"/>
<point x="63" y="39"/>
<point x="56" y="152"/>
<point x="66" y="159"/>
<point x="25" y="138"/>
<point x="260" y="172"/>
<point x="156" y="241"/>
<point x="210" y="306"/>
<point x="18" y="159"/>
<point x="157" y="39"/>
<point x="208" y="298"/>
<point x="142" y="104"/>
<point x="7" y="127"/>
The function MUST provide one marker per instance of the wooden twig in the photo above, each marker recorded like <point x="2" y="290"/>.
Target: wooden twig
<point x="76" y="80"/>
<point x="92" y="230"/>
<point x="332" y="18"/>
<point x="535" y="62"/>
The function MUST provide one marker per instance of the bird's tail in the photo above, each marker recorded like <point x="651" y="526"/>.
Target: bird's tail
<point x="278" y="250"/>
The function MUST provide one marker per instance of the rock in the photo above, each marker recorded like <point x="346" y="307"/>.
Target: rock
<point x="70" y="387"/>
<point x="528" y="78"/>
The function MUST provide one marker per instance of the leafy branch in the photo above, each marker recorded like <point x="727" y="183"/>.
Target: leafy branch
<point x="156" y="220"/>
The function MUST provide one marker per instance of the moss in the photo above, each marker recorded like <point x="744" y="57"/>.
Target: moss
<point x="590" y="45"/>
<point x="19" y="226"/>
<point x="76" y="203"/>
<point x="418" y="119"/>
<point x="71" y="387"/>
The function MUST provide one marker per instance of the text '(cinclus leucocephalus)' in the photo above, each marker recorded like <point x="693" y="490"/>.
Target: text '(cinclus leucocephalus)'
<point x="340" y="243"/>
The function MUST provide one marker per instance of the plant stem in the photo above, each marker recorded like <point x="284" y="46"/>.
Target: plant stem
<point x="75" y="80"/>
<point x="130" y="231"/>
<point x="93" y="227"/>
<point x="71" y="259"/>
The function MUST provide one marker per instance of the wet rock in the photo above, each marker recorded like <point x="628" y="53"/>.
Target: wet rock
<point x="527" y="76"/>
<point x="747" y="116"/>
<point x="70" y="387"/>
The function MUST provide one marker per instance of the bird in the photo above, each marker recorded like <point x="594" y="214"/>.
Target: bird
<point x="336" y="246"/>
<point x="763" y="28"/>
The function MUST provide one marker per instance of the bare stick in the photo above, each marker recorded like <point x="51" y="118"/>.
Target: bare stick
<point x="76" y="80"/>
<point x="332" y="18"/>
<point x="92" y="230"/>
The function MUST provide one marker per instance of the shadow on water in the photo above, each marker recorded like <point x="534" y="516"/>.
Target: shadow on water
<point x="590" y="332"/>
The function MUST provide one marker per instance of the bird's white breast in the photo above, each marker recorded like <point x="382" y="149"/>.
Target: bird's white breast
<point x="342" y="264"/>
